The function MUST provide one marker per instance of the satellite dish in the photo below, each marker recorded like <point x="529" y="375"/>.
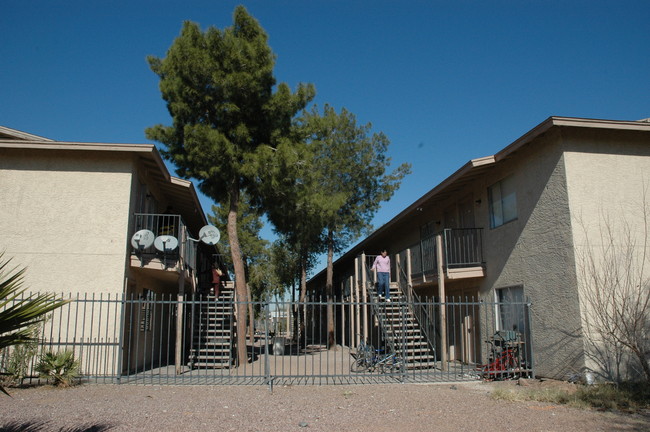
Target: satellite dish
<point x="142" y="239"/>
<point x="165" y="243"/>
<point x="209" y="235"/>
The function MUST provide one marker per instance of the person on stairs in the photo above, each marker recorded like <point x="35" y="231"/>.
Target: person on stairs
<point x="382" y="265"/>
<point x="216" y="281"/>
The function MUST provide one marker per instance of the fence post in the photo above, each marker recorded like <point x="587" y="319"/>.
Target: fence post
<point x="120" y="338"/>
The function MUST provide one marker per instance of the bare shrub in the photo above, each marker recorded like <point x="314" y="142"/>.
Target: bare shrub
<point x="615" y="292"/>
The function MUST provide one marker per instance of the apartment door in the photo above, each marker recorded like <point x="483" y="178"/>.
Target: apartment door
<point x="466" y="213"/>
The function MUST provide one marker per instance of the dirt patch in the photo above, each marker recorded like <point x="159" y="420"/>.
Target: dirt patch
<point x="536" y="384"/>
<point x="408" y="407"/>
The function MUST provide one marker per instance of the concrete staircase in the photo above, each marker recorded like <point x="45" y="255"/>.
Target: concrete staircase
<point x="402" y="330"/>
<point x="212" y="338"/>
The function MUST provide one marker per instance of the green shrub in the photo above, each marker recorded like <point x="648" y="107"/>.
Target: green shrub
<point x="60" y="368"/>
<point x="19" y="358"/>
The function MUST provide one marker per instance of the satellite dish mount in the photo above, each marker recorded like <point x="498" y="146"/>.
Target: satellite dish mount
<point x="142" y="240"/>
<point x="209" y="235"/>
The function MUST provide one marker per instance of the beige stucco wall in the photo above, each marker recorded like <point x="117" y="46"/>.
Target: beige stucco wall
<point x="535" y="252"/>
<point x="606" y="188"/>
<point x="65" y="217"/>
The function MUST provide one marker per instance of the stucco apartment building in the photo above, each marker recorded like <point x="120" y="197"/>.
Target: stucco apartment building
<point x="70" y="212"/>
<point x="530" y="214"/>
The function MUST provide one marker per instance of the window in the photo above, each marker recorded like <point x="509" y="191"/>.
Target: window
<point x="513" y="318"/>
<point x="511" y="308"/>
<point x="503" y="202"/>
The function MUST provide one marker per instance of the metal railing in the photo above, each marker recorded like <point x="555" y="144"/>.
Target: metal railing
<point x="152" y="340"/>
<point x="166" y="225"/>
<point x="422" y="314"/>
<point x="462" y="247"/>
<point x="384" y="325"/>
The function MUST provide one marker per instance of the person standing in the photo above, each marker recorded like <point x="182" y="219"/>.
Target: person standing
<point x="382" y="265"/>
<point x="216" y="281"/>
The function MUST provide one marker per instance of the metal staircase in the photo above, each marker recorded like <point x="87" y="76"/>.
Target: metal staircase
<point x="401" y="329"/>
<point x="212" y="332"/>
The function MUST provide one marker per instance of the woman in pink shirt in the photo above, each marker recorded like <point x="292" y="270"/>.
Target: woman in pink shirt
<point x="382" y="265"/>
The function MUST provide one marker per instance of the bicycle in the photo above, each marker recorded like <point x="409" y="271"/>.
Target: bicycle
<point x="506" y="359"/>
<point x="368" y="359"/>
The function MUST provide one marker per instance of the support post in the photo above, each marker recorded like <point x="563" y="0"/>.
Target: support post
<point x="351" y="319"/>
<point x="179" y="323"/>
<point x="357" y="304"/>
<point x="398" y="269"/>
<point x="443" y="305"/>
<point x="364" y="294"/>
<point x="409" y="268"/>
<point x="343" y="338"/>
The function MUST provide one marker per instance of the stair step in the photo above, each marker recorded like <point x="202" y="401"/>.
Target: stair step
<point x="204" y="330"/>
<point x="412" y="344"/>
<point x="406" y="332"/>
<point x="212" y="365"/>
<point x="403" y="330"/>
<point x="213" y="325"/>
<point x="420" y="364"/>
<point x="212" y="342"/>
<point x="212" y="354"/>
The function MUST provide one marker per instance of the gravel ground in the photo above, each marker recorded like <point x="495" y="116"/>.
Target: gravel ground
<point x="379" y="408"/>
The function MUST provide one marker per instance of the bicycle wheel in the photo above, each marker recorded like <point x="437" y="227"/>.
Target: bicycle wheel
<point x="398" y="365"/>
<point x="392" y="365"/>
<point x="359" y="365"/>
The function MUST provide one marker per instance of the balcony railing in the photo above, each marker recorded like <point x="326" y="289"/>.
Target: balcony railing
<point x="165" y="225"/>
<point x="461" y="248"/>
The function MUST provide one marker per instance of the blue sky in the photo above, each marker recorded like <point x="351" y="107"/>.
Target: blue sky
<point x="446" y="81"/>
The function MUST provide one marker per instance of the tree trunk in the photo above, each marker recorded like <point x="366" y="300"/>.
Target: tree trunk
<point x="240" y="274"/>
<point x="251" y="317"/>
<point x="302" y="314"/>
<point x="329" y="290"/>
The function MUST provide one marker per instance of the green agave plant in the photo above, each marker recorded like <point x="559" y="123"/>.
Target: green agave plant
<point x="18" y="312"/>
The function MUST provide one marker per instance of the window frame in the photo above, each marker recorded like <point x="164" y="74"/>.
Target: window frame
<point x="502" y="208"/>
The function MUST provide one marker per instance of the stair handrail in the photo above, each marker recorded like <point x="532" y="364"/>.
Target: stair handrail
<point x="374" y="304"/>
<point x="419" y="311"/>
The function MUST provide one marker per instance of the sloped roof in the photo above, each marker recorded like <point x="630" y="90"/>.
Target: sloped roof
<point x="13" y="134"/>
<point x="181" y="192"/>
<point x="476" y="167"/>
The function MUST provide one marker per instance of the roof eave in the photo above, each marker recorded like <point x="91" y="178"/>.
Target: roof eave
<point x="473" y="164"/>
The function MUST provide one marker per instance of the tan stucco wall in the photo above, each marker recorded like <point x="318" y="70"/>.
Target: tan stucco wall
<point x="606" y="190"/>
<point x="535" y="251"/>
<point x="65" y="217"/>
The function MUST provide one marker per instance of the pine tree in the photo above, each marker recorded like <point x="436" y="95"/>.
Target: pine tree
<point x="219" y="88"/>
<point x="351" y="164"/>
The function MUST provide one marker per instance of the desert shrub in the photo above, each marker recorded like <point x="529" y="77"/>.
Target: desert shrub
<point x="18" y="359"/>
<point x="58" y="368"/>
<point x="631" y="397"/>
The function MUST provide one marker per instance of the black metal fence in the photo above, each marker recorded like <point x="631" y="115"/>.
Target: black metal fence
<point x="151" y="340"/>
